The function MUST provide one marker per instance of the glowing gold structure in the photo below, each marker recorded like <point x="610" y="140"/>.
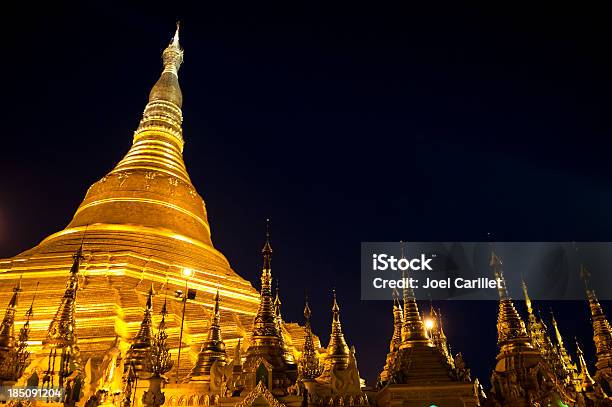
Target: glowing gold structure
<point x="107" y="326"/>
<point x="419" y="369"/>
<point x="140" y="226"/>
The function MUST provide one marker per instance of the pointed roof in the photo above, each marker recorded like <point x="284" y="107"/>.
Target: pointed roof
<point x="62" y="329"/>
<point x="510" y="326"/>
<point x="602" y="333"/>
<point x="141" y="344"/>
<point x="398" y="322"/>
<point x="145" y="333"/>
<point x="267" y="248"/>
<point x="265" y="320"/>
<point x="309" y="366"/>
<point x="7" y="327"/>
<point x="337" y="350"/>
<point x="586" y="381"/>
<point x="213" y="349"/>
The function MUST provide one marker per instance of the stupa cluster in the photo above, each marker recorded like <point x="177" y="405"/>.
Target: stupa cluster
<point x="131" y="305"/>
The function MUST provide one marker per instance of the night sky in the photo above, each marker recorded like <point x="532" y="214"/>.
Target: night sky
<point x="341" y="123"/>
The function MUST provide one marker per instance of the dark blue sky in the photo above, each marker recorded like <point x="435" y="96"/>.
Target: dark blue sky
<point x="342" y="123"/>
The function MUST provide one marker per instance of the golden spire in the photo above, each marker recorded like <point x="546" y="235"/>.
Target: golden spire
<point x="61" y="332"/>
<point x="566" y="359"/>
<point x="143" y="339"/>
<point x="337" y="351"/>
<point x="150" y="186"/>
<point x="213" y="349"/>
<point x="586" y="380"/>
<point x="602" y="333"/>
<point x="264" y="324"/>
<point x="145" y="334"/>
<point x="527" y="299"/>
<point x="398" y="321"/>
<point x="14" y="352"/>
<point x="510" y="326"/>
<point x="413" y="329"/>
<point x="238" y="355"/>
<point x="278" y="317"/>
<point x="309" y="366"/>
<point x="7" y="328"/>
<point x="159" y="360"/>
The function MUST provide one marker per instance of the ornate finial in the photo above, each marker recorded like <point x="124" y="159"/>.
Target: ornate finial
<point x="337" y="349"/>
<point x="496" y="264"/>
<point x="398" y="321"/>
<point x="586" y="381"/>
<point x="62" y="329"/>
<point x="585" y="275"/>
<point x="175" y="39"/>
<point x="307" y="311"/>
<point x="526" y="295"/>
<point x="267" y="248"/>
<point x="141" y="344"/>
<point x="164" y="310"/>
<point x="562" y="350"/>
<point x="7" y="327"/>
<point x="158" y="360"/>
<point x="308" y="366"/>
<point x="213" y="349"/>
<point x="265" y="324"/>
<point x="173" y="54"/>
<point x="277" y="301"/>
<point x="30" y="310"/>
<point x="335" y="306"/>
<point x="510" y="326"/>
<point x="77" y="257"/>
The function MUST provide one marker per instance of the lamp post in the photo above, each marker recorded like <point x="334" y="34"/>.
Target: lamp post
<point x="187" y="273"/>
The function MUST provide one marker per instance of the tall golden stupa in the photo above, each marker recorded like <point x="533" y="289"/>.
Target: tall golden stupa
<point x="142" y="225"/>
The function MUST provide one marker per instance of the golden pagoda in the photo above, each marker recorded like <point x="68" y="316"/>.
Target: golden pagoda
<point x="522" y="376"/>
<point x="602" y="336"/>
<point x="142" y="224"/>
<point x="266" y="358"/>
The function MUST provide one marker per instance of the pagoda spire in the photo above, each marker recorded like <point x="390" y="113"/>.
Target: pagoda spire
<point x="213" y="349"/>
<point x="265" y="320"/>
<point x="413" y="329"/>
<point x="510" y="326"/>
<point x="150" y="187"/>
<point x="566" y="359"/>
<point x="161" y="121"/>
<point x="338" y="351"/>
<point x="527" y="299"/>
<point x="61" y="338"/>
<point x="602" y="336"/>
<point x="7" y="328"/>
<point x="62" y="332"/>
<point x="398" y="321"/>
<point x="309" y="365"/>
<point x="159" y="360"/>
<point x="278" y="317"/>
<point x="142" y="341"/>
<point x="586" y="381"/>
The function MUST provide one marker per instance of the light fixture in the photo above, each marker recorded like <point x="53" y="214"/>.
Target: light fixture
<point x="429" y="323"/>
<point x="187" y="272"/>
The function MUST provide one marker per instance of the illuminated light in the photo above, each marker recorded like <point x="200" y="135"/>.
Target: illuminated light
<point x="429" y="323"/>
<point x="187" y="272"/>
